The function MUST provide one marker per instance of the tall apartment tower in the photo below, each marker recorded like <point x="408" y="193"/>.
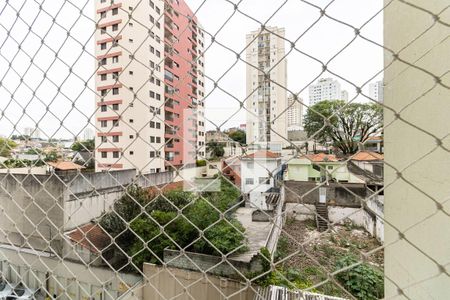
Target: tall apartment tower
<point x="326" y="89"/>
<point x="266" y="100"/>
<point x="149" y="82"/>
<point x="376" y="91"/>
<point x="295" y="114"/>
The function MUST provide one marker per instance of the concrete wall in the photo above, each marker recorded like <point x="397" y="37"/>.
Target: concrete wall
<point x="210" y="263"/>
<point x="32" y="210"/>
<point x="170" y="283"/>
<point x="308" y="193"/>
<point x="412" y="201"/>
<point x="68" y="280"/>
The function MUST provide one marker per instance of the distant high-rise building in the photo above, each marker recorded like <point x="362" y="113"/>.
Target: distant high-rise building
<point x="295" y="114"/>
<point x="266" y="83"/>
<point x="326" y="89"/>
<point x="150" y="84"/>
<point x="88" y="134"/>
<point x="34" y="133"/>
<point x="376" y="91"/>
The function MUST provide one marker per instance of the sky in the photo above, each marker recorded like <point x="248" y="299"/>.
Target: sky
<point x="61" y="103"/>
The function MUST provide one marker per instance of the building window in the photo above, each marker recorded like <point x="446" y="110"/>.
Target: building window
<point x="104" y="154"/>
<point x="158" y="54"/>
<point x="115" y="138"/>
<point x="130" y="24"/>
<point x="115" y="91"/>
<point x="152" y="153"/>
<point x="152" y="124"/>
<point x="264" y="180"/>
<point x="103" y="77"/>
<point x="103" y="123"/>
<point x="104" y="139"/>
<point x="130" y="72"/>
<point x="103" y="15"/>
<point x="131" y="152"/>
<point x="158" y="139"/>
<point x="103" y="108"/>
<point x="103" y="62"/>
<point x="152" y="94"/>
<point x="115" y="59"/>
<point x="115" y="123"/>
<point x="103" y="46"/>
<point x="103" y="30"/>
<point x="115" y="107"/>
<point x="131" y="121"/>
<point x="249" y="181"/>
<point x="115" y="11"/>
<point x="115" y="154"/>
<point x="115" y="75"/>
<point x="131" y="136"/>
<point x="115" y="27"/>
<point x="158" y="125"/>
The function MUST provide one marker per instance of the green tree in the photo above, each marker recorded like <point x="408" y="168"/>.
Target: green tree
<point x="6" y="145"/>
<point x="238" y="136"/>
<point x="215" y="149"/>
<point x="348" y="124"/>
<point x="88" y="145"/>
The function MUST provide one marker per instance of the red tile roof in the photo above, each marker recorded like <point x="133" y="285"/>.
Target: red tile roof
<point x="367" y="155"/>
<point x="321" y="157"/>
<point x="91" y="236"/>
<point x="262" y="154"/>
<point x="65" y="165"/>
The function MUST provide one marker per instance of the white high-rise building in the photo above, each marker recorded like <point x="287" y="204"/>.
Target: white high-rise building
<point x="295" y="113"/>
<point x="376" y="91"/>
<point x="266" y="93"/>
<point x="326" y="89"/>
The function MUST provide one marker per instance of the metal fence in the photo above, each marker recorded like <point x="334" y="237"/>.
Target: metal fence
<point x="111" y="186"/>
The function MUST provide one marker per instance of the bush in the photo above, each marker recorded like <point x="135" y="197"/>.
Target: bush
<point x="201" y="163"/>
<point x="363" y="281"/>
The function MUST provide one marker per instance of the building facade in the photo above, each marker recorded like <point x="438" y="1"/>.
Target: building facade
<point x="326" y="89"/>
<point x="149" y="83"/>
<point x="258" y="176"/>
<point x="266" y="100"/>
<point x="295" y="114"/>
<point x="376" y="91"/>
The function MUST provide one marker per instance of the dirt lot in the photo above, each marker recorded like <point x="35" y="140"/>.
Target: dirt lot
<point x="321" y="251"/>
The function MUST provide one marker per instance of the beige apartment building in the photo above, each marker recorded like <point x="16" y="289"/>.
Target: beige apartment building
<point x="266" y="100"/>
<point x="139" y="122"/>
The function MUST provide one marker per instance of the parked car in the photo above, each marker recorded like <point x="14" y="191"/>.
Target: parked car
<point x="20" y="292"/>
<point x="5" y="289"/>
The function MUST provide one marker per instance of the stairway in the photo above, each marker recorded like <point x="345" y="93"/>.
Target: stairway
<point x="321" y="216"/>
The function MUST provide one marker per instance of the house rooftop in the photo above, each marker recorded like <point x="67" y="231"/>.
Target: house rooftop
<point x="65" y="166"/>
<point x="367" y="156"/>
<point x="261" y="154"/>
<point x="321" y="157"/>
<point x="90" y="236"/>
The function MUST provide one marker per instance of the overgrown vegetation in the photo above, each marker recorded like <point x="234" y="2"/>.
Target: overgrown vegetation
<point x="6" y="145"/>
<point x="363" y="281"/>
<point x="87" y="145"/>
<point x="324" y="254"/>
<point x="173" y="220"/>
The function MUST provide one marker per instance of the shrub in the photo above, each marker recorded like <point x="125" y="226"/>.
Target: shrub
<point x="200" y="163"/>
<point x="363" y="281"/>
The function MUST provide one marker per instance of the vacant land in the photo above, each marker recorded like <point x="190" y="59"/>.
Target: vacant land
<point x="308" y="255"/>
